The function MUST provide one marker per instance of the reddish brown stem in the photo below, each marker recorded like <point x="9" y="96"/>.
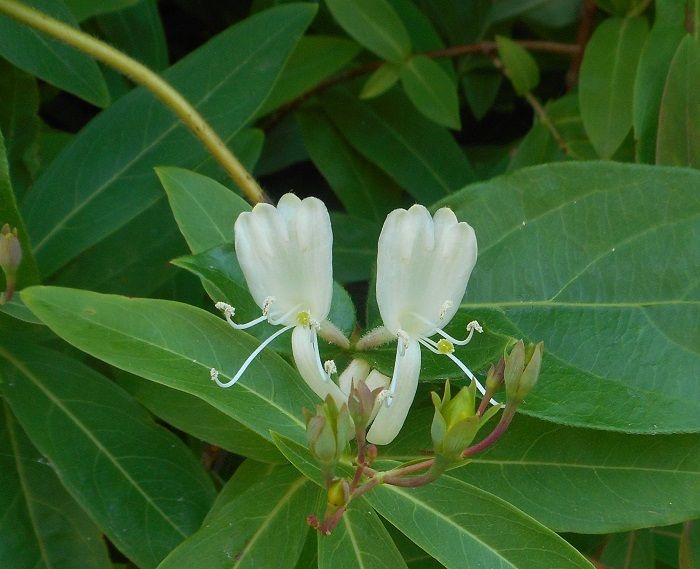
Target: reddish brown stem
<point x="494" y="435"/>
<point x="585" y="30"/>
<point x="569" y="50"/>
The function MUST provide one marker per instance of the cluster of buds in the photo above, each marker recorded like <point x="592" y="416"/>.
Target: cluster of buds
<point x="455" y="422"/>
<point x="10" y="259"/>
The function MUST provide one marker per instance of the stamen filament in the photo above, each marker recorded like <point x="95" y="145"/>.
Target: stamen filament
<point x="317" y="355"/>
<point x="251" y="357"/>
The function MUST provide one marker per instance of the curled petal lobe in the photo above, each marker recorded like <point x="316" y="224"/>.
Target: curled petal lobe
<point x="390" y="418"/>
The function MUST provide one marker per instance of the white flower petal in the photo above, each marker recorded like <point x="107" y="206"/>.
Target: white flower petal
<point x="389" y="420"/>
<point x="306" y="358"/>
<point x="357" y="370"/>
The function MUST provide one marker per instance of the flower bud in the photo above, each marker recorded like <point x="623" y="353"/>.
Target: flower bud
<point x="522" y="369"/>
<point x="328" y="432"/>
<point x="455" y="422"/>
<point x="338" y="493"/>
<point x="10" y="258"/>
<point x="494" y="377"/>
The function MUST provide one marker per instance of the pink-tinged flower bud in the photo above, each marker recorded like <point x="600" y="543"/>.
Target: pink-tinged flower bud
<point x="10" y="258"/>
<point x="328" y="432"/>
<point x="522" y="369"/>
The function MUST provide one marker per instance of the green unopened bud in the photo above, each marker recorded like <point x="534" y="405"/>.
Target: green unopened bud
<point x="328" y="432"/>
<point x="455" y="422"/>
<point x="338" y="493"/>
<point x="10" y="257"/>
<point x="494" y="377"/>
<point x="522" y="369"/>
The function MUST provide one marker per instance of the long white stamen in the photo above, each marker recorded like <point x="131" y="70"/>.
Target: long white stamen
<point x="471" y="327"/>
<point x="276" y="321"/>
<point x="433" y="347"/>
<point x="251" y="357"/>
<point x="395" y="376"/>
<point x="229" y="311"/>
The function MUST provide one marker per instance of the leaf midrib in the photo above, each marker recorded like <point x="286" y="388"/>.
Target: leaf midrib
<point x="98" y="444"/>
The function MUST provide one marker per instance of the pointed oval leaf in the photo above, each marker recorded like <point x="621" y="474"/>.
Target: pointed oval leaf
<point x="141" y="485"/>
<point x="521" y="68"/>
<point x="678" y="141"/>
<point x="431" y="90"/>
<point x="375" y="25"/>
<point x="606" y="83"/>
<point x="176" y="345"/>
<point x="51" y="60"/>
<point x="112" y="183"/>
<point x="381" y="80"/>
<point x="577" y="255"/>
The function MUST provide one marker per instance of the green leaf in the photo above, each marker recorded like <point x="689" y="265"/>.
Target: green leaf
<point x="359" y="540"/>
<point x="27" y="273"/>
<point x="84" y="9"/>
<point x="454" y="521"/>
<point x="363" y="189"/>
<point x="139" y="483"/>
<point x="431" y="90"/>
<point x="49" y="59"/>
<point x="314" y="59"/>
<point x="300" y="457"/>
<point x="263" y="527"/>
<point x="192" y="415"/>
<point x="137" y="30"/>
<point x="375" y="25"/>
<point x="634" y="550"/>
<point x="481" y="88"/>
<point x="577" y="255"/>
<point x="41" y="526"/>
<point x="176" y="345"/>
<point x="19" y="122"/>
<point x="380" y="81"/>
<point x="606" y="83"/>
<point x="421" y="156"/>
<point x="205" y="210"/>
<point x="678" y="142"/>
<point x="582" y="480"/>
<point x="520" y="67"/>
<point x="509" y="9"/>
<point x="354" y="247"/>
<point x="114" y="182"/>
<point x="654" y="62"/>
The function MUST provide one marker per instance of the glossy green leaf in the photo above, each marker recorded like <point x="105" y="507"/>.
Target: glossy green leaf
<point x="195" y="416"/>
<point x="27" y="273"/>
<point x="363" y="189"/>
<point x="19" y="122"/>
<point x="41" y="525"/>
<point x="314" y="59"/>
<point x="112" y="183"/>
<point x="354" y="247"/>
<point x="375" y="25"/>
<point x="84" y="9"/>
<point x="431" y="90"/>
<point x="654" y="62"/>
<point x="606" y="83"/>
<point x="421" y="156"/>
<point x="176" y="345"/>
<point x="360" y="540"/>
<point x="581" y="480"/>
<point x="140" y="484"/>
<point x="49" y="59"/>
<point x="380" y="81"/>
<point x="577" y="255"/>
<point x="520" y="67"/>
<point x="678" y="141"/>
<point x="137" y="30"/>
<point x="263" y="527"/>
<point x="481" y="88"/>
<point x="309" y="555"/>
<point x="456" y="523"/>
<point x="283" y="147"/>
<point x="633" y="550"/>
<point x="205" y="210"/>
<point x="248" y="473"/>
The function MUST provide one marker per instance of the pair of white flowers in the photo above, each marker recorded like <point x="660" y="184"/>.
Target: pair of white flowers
<point x="423" y="266"/>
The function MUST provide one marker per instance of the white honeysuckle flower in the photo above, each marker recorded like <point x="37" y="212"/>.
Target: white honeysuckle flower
<point x="285" y="254"/>
<point x="423" y="266"/>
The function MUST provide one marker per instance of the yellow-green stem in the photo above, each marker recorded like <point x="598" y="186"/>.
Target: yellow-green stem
<point x="142" y="75"/>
